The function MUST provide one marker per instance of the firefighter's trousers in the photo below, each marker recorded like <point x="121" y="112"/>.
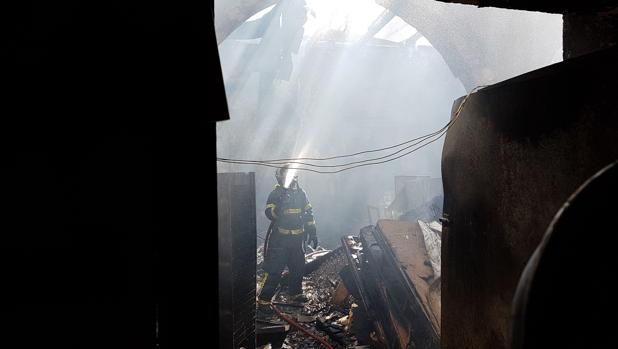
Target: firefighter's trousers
<point x="281" y="251"/>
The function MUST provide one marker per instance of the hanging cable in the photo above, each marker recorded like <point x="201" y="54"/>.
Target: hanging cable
<point x="332" y="157"/>
<point x="346" y="168"/>
<point x="274" y="162"/>
<point x="339" y="165"/>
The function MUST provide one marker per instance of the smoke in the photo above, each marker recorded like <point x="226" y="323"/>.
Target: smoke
<point x="329" y="77"/>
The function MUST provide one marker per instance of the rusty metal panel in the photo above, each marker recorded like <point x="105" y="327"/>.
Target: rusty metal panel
<point x="517" y="151"/>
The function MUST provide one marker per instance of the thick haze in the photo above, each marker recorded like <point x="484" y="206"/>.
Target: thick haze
<point x="314" y="84"/>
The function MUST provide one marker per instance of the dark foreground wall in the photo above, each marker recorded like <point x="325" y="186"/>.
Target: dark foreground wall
<point x="566" y="297"/>
<point x="108" y="174"/>
<point x="517" y="152"/>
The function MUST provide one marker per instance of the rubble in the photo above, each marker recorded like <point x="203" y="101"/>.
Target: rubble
<point x="315" y="253"/>
<point x="260" y="256"/>
<point x="381" y="288"/>
<point x="319" y="286"/>
<point x="320" y="315"/>
<point x="436" y="226"/>
<point x="433" y="244"/>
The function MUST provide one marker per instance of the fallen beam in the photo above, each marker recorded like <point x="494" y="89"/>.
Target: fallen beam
<point x="397" y="278"/>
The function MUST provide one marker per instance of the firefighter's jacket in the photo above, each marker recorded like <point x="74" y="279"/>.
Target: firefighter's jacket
<point x="289" y="209"/>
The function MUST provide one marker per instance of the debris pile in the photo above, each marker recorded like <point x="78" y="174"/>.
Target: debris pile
<point x="328" y="312"/>
<point x="314" y="254"/>
<point x="397" y="283"/>
<point x="381" y="288"/>
<point x="260" y="256"/>
<point x="432" y="233"/>
<point x="322" y="314"/>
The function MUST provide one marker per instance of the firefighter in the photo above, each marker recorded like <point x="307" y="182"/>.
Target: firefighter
<point x="292" y="223"/>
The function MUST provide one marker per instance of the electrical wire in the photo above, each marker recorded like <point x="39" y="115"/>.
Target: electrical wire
<point x="362" y="152"/>
<point x="339" y="165"/>
<point x="346" y="168"/>
<point x="331" y="157"/>
<point x="273" y="162"/>
<point x="366" y="151"/>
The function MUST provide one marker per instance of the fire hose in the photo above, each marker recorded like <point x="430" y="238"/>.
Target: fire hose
<point x="298" y="326"/>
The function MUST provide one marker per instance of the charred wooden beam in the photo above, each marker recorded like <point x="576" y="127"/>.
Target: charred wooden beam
<point x="365" y="298"/>
<point x="392" y="294"/>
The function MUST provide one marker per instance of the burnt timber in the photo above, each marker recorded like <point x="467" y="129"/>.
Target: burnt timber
<point x="394" y="278"/>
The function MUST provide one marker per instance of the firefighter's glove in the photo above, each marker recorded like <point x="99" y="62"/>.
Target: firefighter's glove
<point x="312" y="237"/>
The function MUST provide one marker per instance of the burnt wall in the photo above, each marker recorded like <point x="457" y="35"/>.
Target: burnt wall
<point x="588" y="32"/>
<point x="516" y="153"/>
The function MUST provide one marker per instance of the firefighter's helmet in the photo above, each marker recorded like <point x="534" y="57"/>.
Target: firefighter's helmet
<point x="286" y="176"/>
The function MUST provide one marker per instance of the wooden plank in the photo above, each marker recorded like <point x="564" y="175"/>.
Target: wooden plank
<point x="237" y="259"/>
<point x="407" y="243"/>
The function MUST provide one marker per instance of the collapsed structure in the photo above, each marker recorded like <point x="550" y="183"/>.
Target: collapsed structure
<point x="380" y="288"/>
